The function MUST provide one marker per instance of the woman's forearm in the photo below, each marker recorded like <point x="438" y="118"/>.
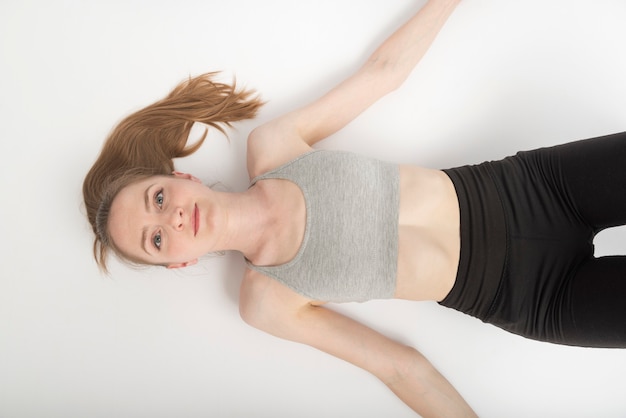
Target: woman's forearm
<point x="396" y="57"/>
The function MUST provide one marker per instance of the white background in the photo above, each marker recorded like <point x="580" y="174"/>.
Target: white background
<point x="504" y="75"/>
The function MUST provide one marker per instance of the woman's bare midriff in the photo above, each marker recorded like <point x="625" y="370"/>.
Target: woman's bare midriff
<point x="429" y="237"/>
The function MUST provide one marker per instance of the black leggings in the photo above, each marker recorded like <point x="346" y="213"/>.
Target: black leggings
<point x="527" y="229"/>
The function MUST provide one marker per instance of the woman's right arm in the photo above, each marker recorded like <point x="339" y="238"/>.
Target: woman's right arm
<point x="273" y="308"/>
<point x="385" y="70"/>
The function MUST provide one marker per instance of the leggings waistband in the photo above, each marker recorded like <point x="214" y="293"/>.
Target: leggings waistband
<point x="483" y="241"/>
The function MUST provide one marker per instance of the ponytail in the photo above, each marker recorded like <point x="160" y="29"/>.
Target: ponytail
<point x="146" y="142"/>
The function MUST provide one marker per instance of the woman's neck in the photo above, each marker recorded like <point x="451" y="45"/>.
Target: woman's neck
<point x="265" y="223"/>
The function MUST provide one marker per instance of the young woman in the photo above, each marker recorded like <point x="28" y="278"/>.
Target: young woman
<point x="508" y="242"/>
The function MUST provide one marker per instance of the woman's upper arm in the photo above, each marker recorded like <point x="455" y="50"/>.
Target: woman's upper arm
<point x="284" y="138"/>
<point x="340" y="105"/>
<point x="331" y="112"/>
<point x="277" y="310"/>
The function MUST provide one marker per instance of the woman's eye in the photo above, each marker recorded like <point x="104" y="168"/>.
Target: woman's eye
<point x="156" y="240"/>
<point x="158" y="198"/>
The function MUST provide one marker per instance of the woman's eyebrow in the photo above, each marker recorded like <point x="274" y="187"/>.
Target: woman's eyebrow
<point x="147" y="197"/>
<point x="144" y="234"/>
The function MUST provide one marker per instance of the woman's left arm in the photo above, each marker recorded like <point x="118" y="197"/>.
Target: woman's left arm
<point x="270" y="306"/>
<point x="384" y="71"/>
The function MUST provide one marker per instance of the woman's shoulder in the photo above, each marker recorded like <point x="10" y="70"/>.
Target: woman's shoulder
<point x="269" y="146"/>
<point x="263" y="300"/>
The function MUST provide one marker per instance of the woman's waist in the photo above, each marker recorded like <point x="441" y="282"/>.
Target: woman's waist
<point x="429" y="239"/>
<point x="428" y="259"/>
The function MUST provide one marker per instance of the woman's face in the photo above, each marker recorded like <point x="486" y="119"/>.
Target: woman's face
<point x="163" y="220"/>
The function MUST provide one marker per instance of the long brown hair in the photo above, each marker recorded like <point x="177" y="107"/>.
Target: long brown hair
<point x="146" y="142"/>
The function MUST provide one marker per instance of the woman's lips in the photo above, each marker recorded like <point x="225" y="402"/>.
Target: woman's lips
<point x="196" y="220"/>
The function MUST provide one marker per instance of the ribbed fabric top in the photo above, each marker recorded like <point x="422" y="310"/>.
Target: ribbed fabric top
<point x="349" y="252"/>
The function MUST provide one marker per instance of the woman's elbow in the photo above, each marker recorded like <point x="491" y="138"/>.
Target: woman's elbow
<point x="387" y="75"/>
<point x="408" y="364"/>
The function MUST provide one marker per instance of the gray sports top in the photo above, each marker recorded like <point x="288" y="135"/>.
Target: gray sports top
<point x="349" y="251"/>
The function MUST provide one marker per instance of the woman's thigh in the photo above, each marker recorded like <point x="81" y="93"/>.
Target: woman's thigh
<point x="593" y="171"/>
<point x="594" y="311"/>
<point x="591" y="310"/>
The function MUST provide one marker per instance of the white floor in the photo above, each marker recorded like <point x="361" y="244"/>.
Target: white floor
<point x="503" y="76"/>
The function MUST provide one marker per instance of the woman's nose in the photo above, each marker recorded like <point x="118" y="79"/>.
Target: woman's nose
<point x="178" y="219"/>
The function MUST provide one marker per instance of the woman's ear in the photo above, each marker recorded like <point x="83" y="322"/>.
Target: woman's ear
<point x="180" y="265"/>
<point x="187" y="176"/>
